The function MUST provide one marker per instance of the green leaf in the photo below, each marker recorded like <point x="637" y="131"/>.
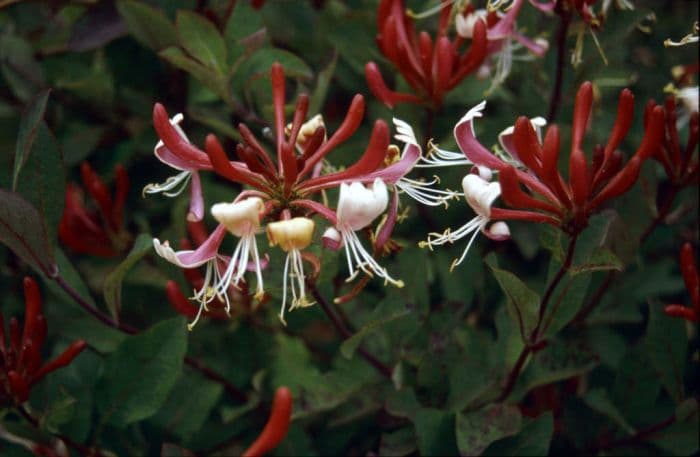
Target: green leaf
<point x="533" y="439"/>
<point x="435" y="431"/>
<point x="244" y="32"/>
<point x="602" y="259"/>
<point x="148" y="25"/>
<point x="478" y="429"/>
<point x="681" y="437"/>
<point x="402" y="403"/>
<point x="522" y="302"/>
<point x="140" y="374"/>
<point x="42" y="181"/>
<point x="666" y="343"/>
<point x="351" y="344"/>
<point x="113" y="282"/>
<point x="72" y="277"/>
<point x="200" y="38"/>
<point x="318" y="96"/>
<point x="23" y="231"/>
<point x="399" y="443"/>
<point x="19" y="68"/>
<point x="204" y="75"/>
<point x="259" y="64"/>
<point x="599" y="401"/>
<point x="561" y="359"/>
<point x="636" y="387"/>
<point x="189" y="405"/>
<point x="32" y="118"/>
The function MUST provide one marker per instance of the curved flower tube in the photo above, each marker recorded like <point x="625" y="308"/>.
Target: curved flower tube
<point x="276" y="427"/>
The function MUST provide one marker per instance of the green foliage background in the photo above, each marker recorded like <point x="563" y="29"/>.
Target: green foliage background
<point x="450" y="339"/>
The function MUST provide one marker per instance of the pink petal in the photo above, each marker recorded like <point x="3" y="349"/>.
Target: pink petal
<point x="190" y="258"/>
<point x="196" y="199"/>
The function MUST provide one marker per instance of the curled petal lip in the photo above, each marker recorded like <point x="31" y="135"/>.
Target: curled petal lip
<point x="192" y="258"/>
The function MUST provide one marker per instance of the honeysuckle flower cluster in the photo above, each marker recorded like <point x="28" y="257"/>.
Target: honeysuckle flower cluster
<point x="504" y="39"/>
<point x="20" y="354"/>
<point x="431" y="66"/>
<point x="99" y="231"/>
<point x="529" y="180"/>
<point x="278" y="194"/>
<point x="691" y="277"/>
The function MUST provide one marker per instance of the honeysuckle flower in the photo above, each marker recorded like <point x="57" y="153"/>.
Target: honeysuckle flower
<point x="480" y="195"/>
<point x="20" y="360"/>
<point x="548" y="197"/>
<point x="358" y="206"/>
<point x="689" y="270"/>
<point x="99" y="231"/>
<point x="175" y="185"/>
<point x="431" y="67"/>
<point x="502" y="35"/>
<point x="292" y="235"/>
<point x="284" y="187"/>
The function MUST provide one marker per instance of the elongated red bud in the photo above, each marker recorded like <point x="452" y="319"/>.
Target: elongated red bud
<point x="474" y="56"/>
<point x="379" y="89"/>
<point x="550" y="169"/>
<point x="653" y="134"/>
<point x="619" y="184"/>
<point x="61" y="361"/>
<point x="350" y="124"/>
<point x="277" y="425"/>
<point x="623" y="122"/>
<point x="527" y="144"/>
<point x="221" y="164"/>
<point x="514" y="196"/>
<point x="278" y="89"/>
<point x="582" y="111"/>
<point x="32" y="307"/>
<point x="444" y="63"/>
<point x="578" y="177"/>
<point x="683" y="312"/>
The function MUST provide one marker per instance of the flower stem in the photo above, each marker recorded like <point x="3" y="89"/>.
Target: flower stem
<point x="535" y="343"/>
<point x="232" y="390"/>
<point x="534" y="337"/>
<point x="555" y="98"/>
<point x="346" y="333"/>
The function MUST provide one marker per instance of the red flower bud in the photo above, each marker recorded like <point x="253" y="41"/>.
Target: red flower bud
<point x="277" y="425"/>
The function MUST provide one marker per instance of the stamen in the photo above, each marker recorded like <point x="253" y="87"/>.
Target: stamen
<point x="437" y="157"/>
<point x="422" y="191"/>
<point x="180" y="179"/>
<point x="364" y="259"/>
<point x="429" y="12"/>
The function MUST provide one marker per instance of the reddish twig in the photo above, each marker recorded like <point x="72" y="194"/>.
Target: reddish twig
<point x="555" y="98"/>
